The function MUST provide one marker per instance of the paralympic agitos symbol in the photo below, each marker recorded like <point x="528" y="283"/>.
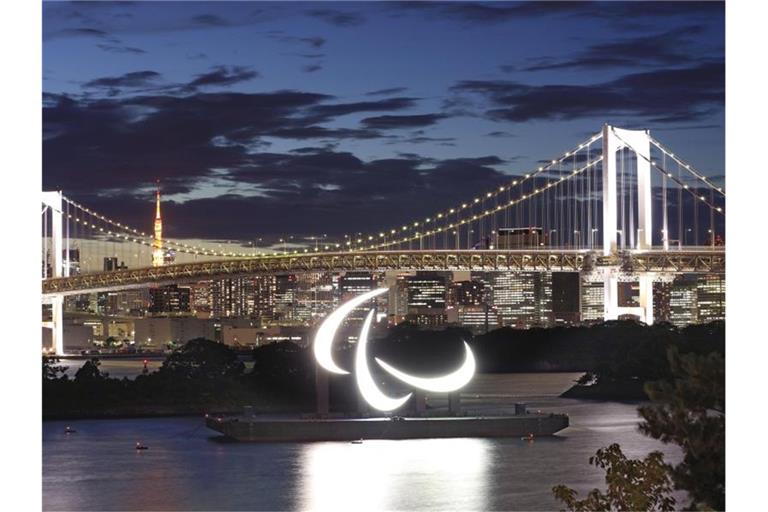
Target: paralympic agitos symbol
<point x="365" y="382"/>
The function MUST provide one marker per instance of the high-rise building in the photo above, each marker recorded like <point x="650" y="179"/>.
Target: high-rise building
<point x="201" y="298"/>
<point x="477" y="318"/>
<point x="352" y="284"/>
<point x="426" y="290"/>
<point x="710" y="297"/>
<point x="592" y="301"/>
<point x="158" y="258"/>
<point x="683" y="304"/>
<point x="566" y="302"/>
<point x="263" y="297"/>
<point x="169" y="300"/>
<point x="662" y="292"/>
<point x="468" y="293"/>
<point x="229" y="297"/>
<point x="286" y="296"/>
<point x="523" y="299"/>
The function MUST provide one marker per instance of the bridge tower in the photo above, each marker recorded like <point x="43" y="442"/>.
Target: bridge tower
<point x="59" y="267"/>
<point x="638" y="141"/>
<point x="158" y="258"/>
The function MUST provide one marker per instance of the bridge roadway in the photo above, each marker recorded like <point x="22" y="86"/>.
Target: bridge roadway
<point x="697" y="259"/>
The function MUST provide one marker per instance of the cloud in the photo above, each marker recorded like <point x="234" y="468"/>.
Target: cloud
<point x="338" y="18"/>
<point x="211" y="20"/>
<point x="134" y="79"/>
<point x="81" y="32"/>
<point x="213" y="145"/>
<point x="123" y="142"/>
<point x="669" y="48"/>
<point x="386" y="92"/>
<point x="223" y="76"/>
<point x="120" y="49"/>
<point x="384" y="105"/>
<point x="498" y="12"/>
<point x="311" y="68"/>
<point x="389" y="122"/>
<point x="312" y="42"/>
<point x="664" y="95"/>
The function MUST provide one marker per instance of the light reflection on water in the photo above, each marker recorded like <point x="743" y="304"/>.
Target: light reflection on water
<point x="395" y="475"/>
<point x="187" y="469"/>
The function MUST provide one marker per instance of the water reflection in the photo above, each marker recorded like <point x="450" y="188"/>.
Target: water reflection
<point x="440" y="474"/>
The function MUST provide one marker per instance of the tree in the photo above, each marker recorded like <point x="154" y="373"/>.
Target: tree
<point x="51" y="368"/>
<point x="632" y="484"/>
<point x="90" y="371"/>
<point x="111" y="341"/>
<point x="202" y="359"/>
<point x="689" y="411"/>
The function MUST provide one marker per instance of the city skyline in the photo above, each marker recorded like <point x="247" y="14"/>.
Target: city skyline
<point x="317" y="104"/>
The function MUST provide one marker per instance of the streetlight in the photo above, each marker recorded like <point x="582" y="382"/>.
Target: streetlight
<point x="577" y="238"/>
<point x="686" y="235"/>
<point x="592" y="239"/>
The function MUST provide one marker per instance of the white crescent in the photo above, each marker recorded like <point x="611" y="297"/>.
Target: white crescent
<point x="365" y="382"/>
<point x="444" y="384"/>
<point x="327" y="331"/>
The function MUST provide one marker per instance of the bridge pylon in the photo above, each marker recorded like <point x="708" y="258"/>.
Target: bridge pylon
<point x="638" y="141"/>
<point x="59" y="268"/>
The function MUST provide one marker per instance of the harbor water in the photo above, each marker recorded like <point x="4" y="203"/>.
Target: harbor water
<point x="188" y="467"/>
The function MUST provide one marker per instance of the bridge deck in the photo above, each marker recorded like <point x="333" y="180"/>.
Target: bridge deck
<point x="548" y="259"/>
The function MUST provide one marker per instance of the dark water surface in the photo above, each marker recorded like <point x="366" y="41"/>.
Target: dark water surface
<point x="188" y="468"/>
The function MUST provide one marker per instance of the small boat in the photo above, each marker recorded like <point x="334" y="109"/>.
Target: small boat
<point x="69" y="430"/>
<point x="357" y="441"/>
<point x="529" y="438"/>
<point x="140" y="446"/>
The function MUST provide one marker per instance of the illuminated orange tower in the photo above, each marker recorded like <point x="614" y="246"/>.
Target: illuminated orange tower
<point x="157" y="244"/>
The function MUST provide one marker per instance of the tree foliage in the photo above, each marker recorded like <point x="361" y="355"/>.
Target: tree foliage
<point x="689" y="410"/>
<point x="52" y="369"/>
<point x="202" y="359"/>
<point x="90" y="371"/>
<point x="631" y="484"/>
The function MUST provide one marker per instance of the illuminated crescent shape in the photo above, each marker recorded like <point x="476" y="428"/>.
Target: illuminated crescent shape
<point x="445" y="384"/>
<point x="365" y="382"/>
<point x="327" y="330"/>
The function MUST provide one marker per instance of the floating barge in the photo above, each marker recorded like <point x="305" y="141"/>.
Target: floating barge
<point x="255" y="429"/>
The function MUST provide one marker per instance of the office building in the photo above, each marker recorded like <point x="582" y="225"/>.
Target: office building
<point x="169" y="300"/>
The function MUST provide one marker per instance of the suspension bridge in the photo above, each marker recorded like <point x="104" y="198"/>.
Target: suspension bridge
<point x="619" y="206"/>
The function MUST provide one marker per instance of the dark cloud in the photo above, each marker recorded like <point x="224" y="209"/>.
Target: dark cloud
<point x="120" y="49"/>
<point x="384" y="105"/>
<point x="311" y="68"/>
<point x="389" y="122"/>
<point x="664" y="95"/>
<point x="668" y="48"/>
<point x="83" y="32"/>
<point x="338" y="18"/>
<point x="211" y="20"/>
<point x="128" y="80"/>
<point x="98" y="150"/>
<point x="386" y="92"/>
<point x="223" y="76"/>
<point x="309" y="55"/>
<point x="122" y="143"/>
<point x="496" y="12"/>
<point x="313" y="42"/>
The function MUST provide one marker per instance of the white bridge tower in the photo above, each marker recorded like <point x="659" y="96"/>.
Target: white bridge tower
<point x="638" y="141"/>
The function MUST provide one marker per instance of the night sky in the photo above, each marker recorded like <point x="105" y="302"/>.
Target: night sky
<point x="261" y="119"/>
